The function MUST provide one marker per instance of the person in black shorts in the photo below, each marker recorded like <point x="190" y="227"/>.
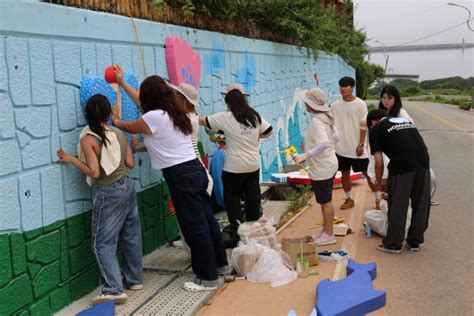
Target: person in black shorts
<point x="321" y="157"/>
<point x="351" y="150"/>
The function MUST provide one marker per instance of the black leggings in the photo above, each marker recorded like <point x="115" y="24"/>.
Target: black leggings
<point x="234" y="185"/>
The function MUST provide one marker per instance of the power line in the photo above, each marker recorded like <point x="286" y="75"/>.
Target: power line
<point x="422" y="38"/>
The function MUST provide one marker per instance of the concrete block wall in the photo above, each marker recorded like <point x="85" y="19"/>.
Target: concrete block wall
<point x="41" y="65"/>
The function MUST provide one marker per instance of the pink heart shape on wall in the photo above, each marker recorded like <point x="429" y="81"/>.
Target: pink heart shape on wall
<point x="184" y="64"/>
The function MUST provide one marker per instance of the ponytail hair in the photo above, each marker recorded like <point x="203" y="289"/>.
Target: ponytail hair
<point x="98" y="111"/>
<point x="240" y="108"/>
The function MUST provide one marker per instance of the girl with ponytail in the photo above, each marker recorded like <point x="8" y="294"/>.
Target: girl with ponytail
<point x="104" y="156"/>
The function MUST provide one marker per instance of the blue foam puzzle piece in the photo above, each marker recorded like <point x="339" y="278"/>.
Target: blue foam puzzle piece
<point x="104" y="309"/>
<point x="350" y="296"/>
<point x="370" y="268"/>
<point x="130" y="111"/>
<point x="91" y="85"/>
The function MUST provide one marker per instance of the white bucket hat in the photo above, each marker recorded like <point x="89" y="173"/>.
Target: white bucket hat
<point x="315" y="98"/>
<point x="188" y="91"/>
<point x="235" y="86"/>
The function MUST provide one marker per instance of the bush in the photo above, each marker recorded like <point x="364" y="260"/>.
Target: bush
<point x="299" y="197"/>
<point x="410" y="91"/>
<point x="464" y="104"/>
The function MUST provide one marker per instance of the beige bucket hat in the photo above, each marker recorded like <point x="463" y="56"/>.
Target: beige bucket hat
<point x="188" y="91"/>
<point x="235" y="86"/>
<point x="315" y="98"/>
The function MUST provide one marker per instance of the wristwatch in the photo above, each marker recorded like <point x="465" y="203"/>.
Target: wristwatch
<point x="361" y="145"/>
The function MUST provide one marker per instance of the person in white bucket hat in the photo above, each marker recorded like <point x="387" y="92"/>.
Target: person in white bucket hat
<point x="319" y="143"/>
<point x="243" y="128"/>
<point x="235" y="86"/>
<point x="187" y="97"/>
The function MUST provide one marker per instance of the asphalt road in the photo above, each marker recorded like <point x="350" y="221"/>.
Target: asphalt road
<point x="439" y="280"/>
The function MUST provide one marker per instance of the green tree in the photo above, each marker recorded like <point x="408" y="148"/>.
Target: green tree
<point x="307" y="23"/>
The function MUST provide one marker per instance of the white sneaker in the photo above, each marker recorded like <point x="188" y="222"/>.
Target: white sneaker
<point x="325" y="239"/>
<point x="178" y="243"/>
<point x="102" y="298"/>
<point x="135" y="287"/>
<point x="193" y="287"/>
<point x="318" y="234"/>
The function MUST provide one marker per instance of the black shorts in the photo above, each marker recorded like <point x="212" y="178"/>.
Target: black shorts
<point x="358" y="165"/>
<point x="322" y="190"/>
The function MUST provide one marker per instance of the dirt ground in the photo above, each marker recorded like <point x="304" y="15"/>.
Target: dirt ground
<point x="245" y="298"/>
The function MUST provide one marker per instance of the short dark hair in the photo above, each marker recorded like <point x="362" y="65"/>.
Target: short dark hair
<point x="347" y="81"/>
<point x="376" y="114"/>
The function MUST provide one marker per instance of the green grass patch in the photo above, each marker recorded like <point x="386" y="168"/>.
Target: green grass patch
<point x="463" y="103"/>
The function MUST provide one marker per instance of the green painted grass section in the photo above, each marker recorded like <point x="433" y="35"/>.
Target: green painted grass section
<point x="46" y="269"/>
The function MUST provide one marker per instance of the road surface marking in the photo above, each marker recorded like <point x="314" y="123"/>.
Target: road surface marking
<point x="442" y="120"/>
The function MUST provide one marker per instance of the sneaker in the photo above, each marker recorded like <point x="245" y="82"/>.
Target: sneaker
<point x="135" y="287"/>
<point x="318" y="234"/>
<point x="178" y="243"/>
<point x="348" y="203"/>
<point x="389" y="249"/>
<point x="227" y="269"/>
<point x="412" y="247"/>
<point x="102" y="298"/>
<point x="198" y="285"/>
<point x="325" y="239"/>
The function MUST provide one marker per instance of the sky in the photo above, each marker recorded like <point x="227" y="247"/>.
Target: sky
<point x="404" y="22"/>
<point x="394" y="22"/>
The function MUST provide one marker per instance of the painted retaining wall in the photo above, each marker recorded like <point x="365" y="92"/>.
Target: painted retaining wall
<point x="45" y="50"/>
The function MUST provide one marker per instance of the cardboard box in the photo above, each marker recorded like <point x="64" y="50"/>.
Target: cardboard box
<point x="340" y="229"/>
<point x="294" y="246"/>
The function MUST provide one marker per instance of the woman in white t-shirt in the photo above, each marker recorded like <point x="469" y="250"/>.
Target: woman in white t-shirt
<point x="319" y="141"/>
<point x="243" y="127"/>
<point x="391" y="102"/>
<point x="167" y="137"/>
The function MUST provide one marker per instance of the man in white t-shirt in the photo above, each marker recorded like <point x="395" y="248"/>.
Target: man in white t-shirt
<point x="351" y="150"/>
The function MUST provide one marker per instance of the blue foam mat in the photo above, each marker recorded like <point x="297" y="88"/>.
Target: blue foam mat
<point x="353" y="295"/>
<point x="370" y="268"/>
<point x="104" y="309"/>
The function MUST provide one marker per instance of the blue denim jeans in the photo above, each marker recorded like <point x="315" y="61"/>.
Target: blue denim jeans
<point x="114" y="215"/>
<point x="187" y="183"/>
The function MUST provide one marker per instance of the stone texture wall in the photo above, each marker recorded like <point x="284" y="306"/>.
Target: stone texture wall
<point x="45" y="50"/>
<point x="46" y="269"/>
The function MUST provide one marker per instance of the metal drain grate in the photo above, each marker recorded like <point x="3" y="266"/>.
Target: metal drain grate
<point x="168" y="258"/>
<point x="153" y="282"/>
<point x="275" y="208"/>
<point x="174" y="300"/>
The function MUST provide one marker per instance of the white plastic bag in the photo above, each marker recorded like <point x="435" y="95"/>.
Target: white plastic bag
<point x="378" y="219"/>
<point x="262" y="231"/>
<point x="270" y="268"/>
<point x="245" y="256"/>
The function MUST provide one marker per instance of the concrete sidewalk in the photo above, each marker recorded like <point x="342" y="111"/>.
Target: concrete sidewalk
<point x="246" y="298"/>
<point x="168" y="268"/>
